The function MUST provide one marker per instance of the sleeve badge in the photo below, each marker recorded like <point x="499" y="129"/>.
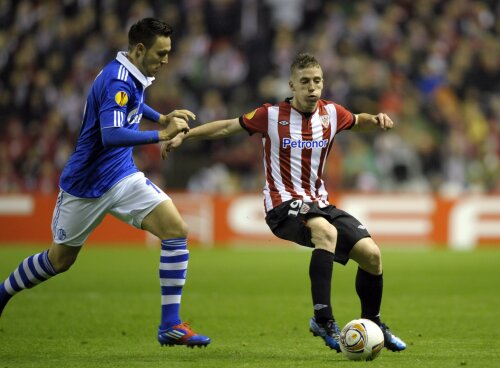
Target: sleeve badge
<point x="121" y="98"/>
<point x="250" y="115"/>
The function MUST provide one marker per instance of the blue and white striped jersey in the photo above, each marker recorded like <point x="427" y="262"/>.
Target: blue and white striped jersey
<point x="116" y="100"/>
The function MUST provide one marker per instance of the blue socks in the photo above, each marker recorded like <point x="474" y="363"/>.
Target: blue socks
<point x="32" y="271"/>
<point x="173" y="268"/>
<point x="172" y="271"/>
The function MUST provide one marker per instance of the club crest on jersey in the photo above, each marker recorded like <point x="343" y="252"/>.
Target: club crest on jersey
<point x="325" y="120"/>
<point x="121" y="98"/>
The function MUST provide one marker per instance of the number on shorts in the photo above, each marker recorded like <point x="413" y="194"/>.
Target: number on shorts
<point x="295" y="207"/>
<point x="149" y="182"/>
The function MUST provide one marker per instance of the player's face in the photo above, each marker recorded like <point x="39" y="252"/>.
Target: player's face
<point x="306" y="85"/>
<point x="156" y="56"/>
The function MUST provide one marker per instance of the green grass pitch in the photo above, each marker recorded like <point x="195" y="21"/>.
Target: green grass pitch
<point x="255" y="305"/>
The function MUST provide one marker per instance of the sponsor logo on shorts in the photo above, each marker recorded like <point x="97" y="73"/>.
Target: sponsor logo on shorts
<point x="362" y="227"/>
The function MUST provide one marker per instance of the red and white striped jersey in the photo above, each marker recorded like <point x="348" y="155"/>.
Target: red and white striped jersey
<point x="295" y="148"/>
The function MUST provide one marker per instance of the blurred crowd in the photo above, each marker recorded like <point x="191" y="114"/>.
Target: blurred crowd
<point x="433" y="66"/>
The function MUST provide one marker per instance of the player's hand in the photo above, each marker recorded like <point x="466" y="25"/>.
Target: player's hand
<point x="175" y="126"/>
<point x="383" y="120"/>
<point x="179" y="114"/>
<point x="168" y="146"/>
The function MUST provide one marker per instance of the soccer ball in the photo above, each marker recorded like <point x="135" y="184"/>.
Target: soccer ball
<point x="361" y="339"/>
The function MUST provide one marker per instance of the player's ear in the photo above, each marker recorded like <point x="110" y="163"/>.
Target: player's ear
<point x="290" y="83"/>
<point x="140" y="49"/>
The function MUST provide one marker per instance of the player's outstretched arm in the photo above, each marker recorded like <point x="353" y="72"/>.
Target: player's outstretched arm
<point x="381" y="119"/>
<point x="209" y="131"/>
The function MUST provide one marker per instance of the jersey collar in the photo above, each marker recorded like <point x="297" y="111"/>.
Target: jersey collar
<point x="288" y="100"/>
<point x="122" y="59"/>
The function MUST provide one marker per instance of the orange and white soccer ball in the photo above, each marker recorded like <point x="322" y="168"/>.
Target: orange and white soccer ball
<point x="361" y="339"/>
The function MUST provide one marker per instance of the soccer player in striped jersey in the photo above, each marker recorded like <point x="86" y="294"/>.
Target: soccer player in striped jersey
<point x="297" y="136"/>
<point x="101" y="177"/>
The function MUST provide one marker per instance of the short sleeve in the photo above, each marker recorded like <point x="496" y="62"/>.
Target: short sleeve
<point x="345" y="118"/>
<point x="113" y="107"/>
<point x="255" y="121"/>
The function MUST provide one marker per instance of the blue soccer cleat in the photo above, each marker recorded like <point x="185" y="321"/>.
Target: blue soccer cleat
<point x="391" y="341"/>
<point x="328" y="331"/>
<point x="181" y="335"/>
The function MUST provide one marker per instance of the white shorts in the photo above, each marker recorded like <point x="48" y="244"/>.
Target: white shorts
<point x="130" y="200"/>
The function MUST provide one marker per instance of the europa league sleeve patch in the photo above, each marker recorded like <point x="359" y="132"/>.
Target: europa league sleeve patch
<point x="121" y="98"/>
<point x="250" y="115"/>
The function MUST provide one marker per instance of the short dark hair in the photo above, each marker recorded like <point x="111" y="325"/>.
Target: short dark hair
<point x="303" y="60"/>
<point x="146" y="30"/>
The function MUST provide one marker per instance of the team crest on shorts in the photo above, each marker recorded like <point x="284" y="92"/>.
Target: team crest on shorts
<point x="304" y="208"/>
<point x="121" y="98"/>
<point x="61" y="234"/>
<point x="325" y="120"/>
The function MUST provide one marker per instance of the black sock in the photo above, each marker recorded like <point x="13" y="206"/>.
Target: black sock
<point x="320" y="273"/>
<point x="369" y="288"/>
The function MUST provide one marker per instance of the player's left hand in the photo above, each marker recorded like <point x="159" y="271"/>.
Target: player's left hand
<point x="164" y="150"/>
<point x="170" y="145"/>
<point x="383" y="120"/>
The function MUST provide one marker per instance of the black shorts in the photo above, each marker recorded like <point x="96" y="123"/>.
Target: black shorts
<point x="288" y="221"/>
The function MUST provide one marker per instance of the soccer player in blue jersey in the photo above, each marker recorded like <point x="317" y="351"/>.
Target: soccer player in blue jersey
<point x="101" y="177"/>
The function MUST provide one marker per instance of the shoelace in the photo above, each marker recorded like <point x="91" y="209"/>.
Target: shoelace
<point x="385" y="328"/>
<point x="185" y="325"/>
<point x="332" y="329"/>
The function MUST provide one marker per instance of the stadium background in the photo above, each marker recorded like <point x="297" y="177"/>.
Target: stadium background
<point x="432" y="65"/>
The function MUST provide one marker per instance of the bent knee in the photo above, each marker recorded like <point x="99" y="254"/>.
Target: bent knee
<point x="323" y="234"/>
<point x="62" y="257"/>
<point x="371" y="260"/>
<point x="179" y="230"/>
<point x="373" y="263"/>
